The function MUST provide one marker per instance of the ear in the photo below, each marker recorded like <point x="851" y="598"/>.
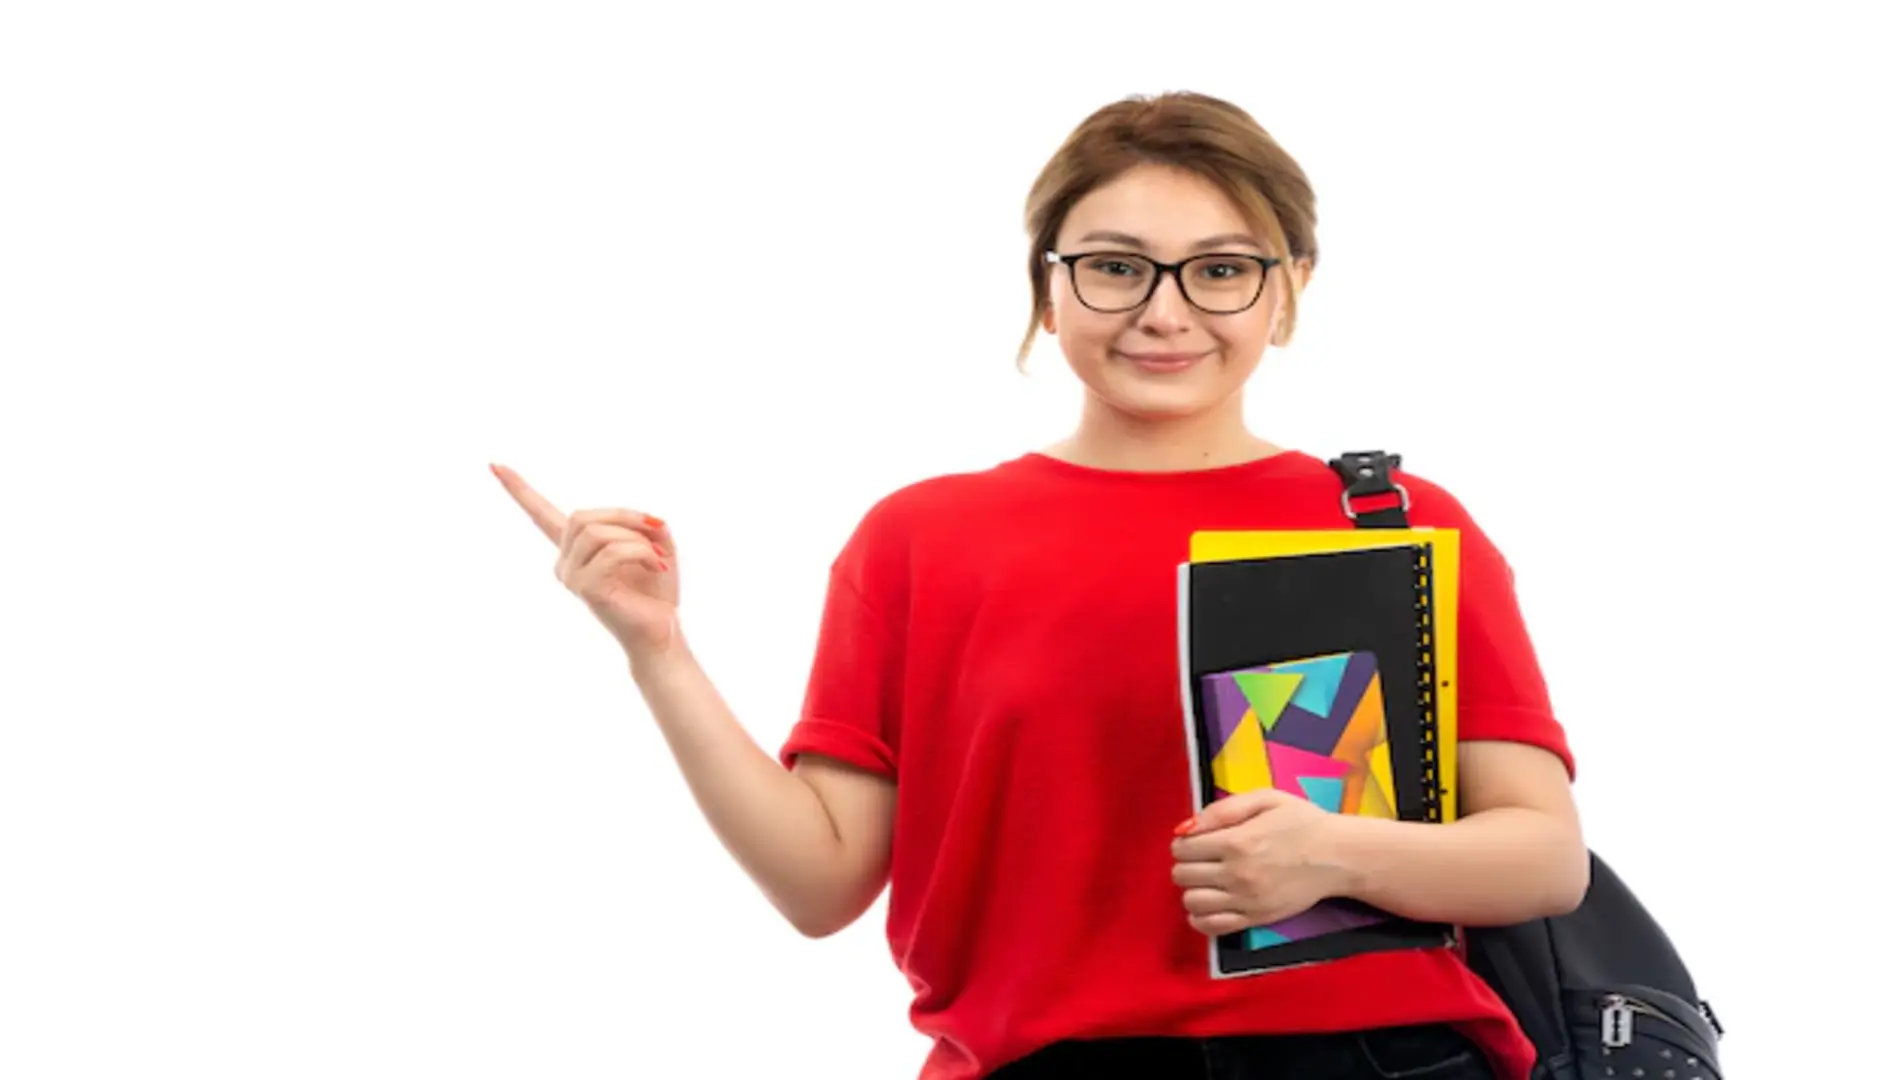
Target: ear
<point x="1301" y="271"/>
<point x="1048" y="318"/>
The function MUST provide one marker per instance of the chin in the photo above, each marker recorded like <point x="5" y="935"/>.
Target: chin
<point x="1155" y="399"/>
<point x="1160" y="404"/>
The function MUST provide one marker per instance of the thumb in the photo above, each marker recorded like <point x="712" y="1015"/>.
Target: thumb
<point x="1236" y="808"/>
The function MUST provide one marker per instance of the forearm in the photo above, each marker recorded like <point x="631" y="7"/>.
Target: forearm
<point x="772" y="821"/>
<point x="1501" y="866"/>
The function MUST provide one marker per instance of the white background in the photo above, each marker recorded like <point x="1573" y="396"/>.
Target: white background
<point x="311" y="769"/>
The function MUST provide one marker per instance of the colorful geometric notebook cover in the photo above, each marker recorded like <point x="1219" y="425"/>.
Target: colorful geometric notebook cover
<point x="1313" y="728"/>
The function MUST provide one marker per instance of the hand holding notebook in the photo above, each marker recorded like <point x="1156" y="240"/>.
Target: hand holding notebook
<point x="1255" y="858"/>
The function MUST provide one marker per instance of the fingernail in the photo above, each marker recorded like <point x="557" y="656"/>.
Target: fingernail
<point x="655" y="522"/>
<point x="1184" y="828"/>
<point x="662" y="567"/>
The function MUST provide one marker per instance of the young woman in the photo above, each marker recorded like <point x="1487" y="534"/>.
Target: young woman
<point x="993" y="721"/>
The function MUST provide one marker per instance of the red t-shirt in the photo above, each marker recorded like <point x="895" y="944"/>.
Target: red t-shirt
<point x="1003" y="644"/>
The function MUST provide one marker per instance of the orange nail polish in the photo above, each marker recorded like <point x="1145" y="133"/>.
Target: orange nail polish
<point x="655" y="522"/>
<point x="1184" y="828"/>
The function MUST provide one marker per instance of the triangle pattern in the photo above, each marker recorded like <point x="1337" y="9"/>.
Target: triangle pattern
<point x="1225" y="707"/>
<point x="1320" y="682"/>
<point x="1259" y="937"/>
<point x="1241" y="764"/>
<point x="1380" y="761"/>
<point x="1366" y="729"/>
<point x="1303" y="729"/>
<point x="1354" y="791"/>
<point x="1361" y="669"/>
<point x="1268" y="692"/>
<point x="1291" y="765"/>
<point x="1373" y="804"/>
<point x="1325" y="792"/>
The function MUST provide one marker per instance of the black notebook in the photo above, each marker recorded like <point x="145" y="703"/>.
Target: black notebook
<point x="1326" y="673"/>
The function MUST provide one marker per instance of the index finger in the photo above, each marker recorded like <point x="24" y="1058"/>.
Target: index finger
<point x="544" y="514"/>
<point x="1201" y="847"/>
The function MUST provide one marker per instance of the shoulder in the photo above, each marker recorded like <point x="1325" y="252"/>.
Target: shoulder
<point x="1433" y="503"/>
<point x="883" y="544"/>
<point x="924" y="505"/>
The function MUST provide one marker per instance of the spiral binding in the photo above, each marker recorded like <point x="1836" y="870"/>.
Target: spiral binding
<point x="1427" y="684"/>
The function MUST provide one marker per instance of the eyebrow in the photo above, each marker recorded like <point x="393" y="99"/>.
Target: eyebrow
<point x="1211" y="243"/>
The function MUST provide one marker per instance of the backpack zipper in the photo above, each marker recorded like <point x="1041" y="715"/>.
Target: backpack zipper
<point x="1619" y="1012"/>
<point x="1619" y="1021"/>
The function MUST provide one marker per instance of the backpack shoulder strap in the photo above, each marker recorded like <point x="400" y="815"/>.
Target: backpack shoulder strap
<point x="1373" y="499"/>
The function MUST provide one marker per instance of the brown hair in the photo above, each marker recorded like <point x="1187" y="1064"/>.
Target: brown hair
<point x="1200" y="134"/>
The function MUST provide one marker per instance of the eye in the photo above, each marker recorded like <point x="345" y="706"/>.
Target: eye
<point x="1225" y="269"/>
<point x="1113" y="266"/>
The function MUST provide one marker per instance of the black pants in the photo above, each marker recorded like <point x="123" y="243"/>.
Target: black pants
<point x="1431" y="1052"/>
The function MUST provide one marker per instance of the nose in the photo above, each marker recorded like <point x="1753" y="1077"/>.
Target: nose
<point x="1167" y="310"/>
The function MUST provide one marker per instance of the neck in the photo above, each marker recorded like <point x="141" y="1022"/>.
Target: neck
<point x="1110" y="439"/>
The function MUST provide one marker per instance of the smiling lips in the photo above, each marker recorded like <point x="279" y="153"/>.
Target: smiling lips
<point x="1164" y="363"/>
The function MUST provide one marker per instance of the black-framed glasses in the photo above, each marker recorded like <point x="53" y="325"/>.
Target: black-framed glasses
<point x="1112" y="282"/>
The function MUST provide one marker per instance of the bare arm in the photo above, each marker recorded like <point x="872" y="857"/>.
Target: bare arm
<point x="816" y="839"/>
<point x="1516" y="852"/>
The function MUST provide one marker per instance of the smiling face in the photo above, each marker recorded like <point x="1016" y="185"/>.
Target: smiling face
<point x="1165" y="358"/>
